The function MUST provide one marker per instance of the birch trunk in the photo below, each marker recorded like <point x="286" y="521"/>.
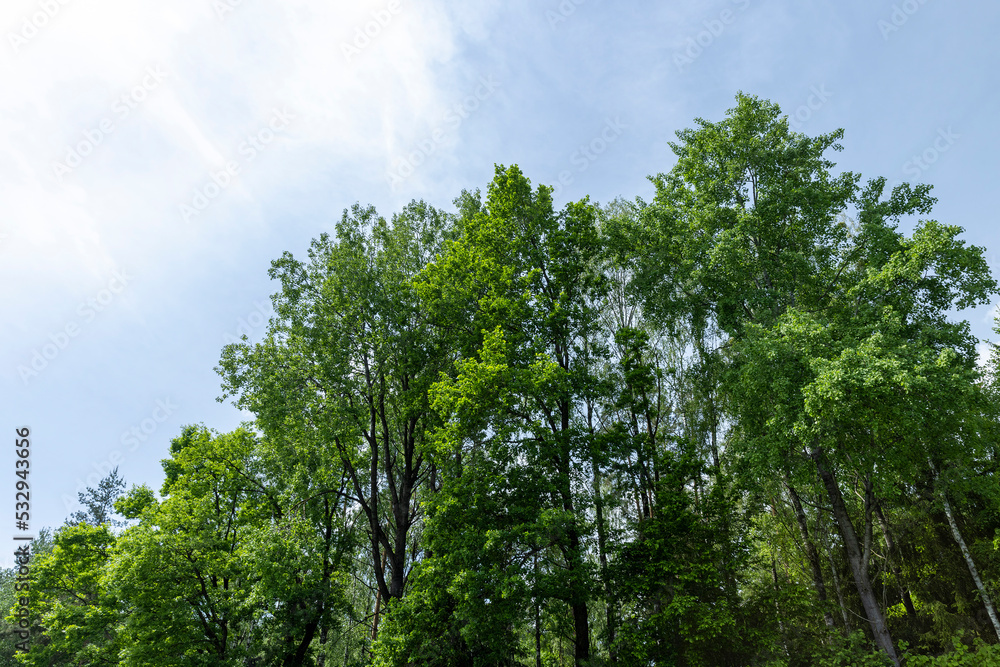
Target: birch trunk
<point x="966" y="555"/>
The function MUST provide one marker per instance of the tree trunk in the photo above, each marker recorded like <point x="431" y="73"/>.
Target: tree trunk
<point x="378" y="604"/>
<point x="538" y="618"/>
<point x="859" y="568"/>
<point x="821" y="531"/>
<point x="811" y="555"/>
<point x="297" y="659"/>
<point x="602" y="546"/>
<point x="840" y="596"/>
<point x="581" y="615"/>
<point x="890" y="546"/>
<point x="967" y="556"/>
<point x="777" y="609"/>
<point x="573" y="550"/>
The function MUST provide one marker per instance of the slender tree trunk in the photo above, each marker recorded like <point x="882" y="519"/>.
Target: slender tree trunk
<point x="856" y="559"/>
<point x="777" y="609"/>
<point x="378" y="604"/>
<point x="573" y="550"/>
<point x="890" y="546"/>
<point x="581" y="615"/>
<point x="811" y="555"/>
<point x="840" y="596"/>
<point x="602" y="536"/>
<point x="967" y="556"/>
<point x="602" y="547"/>
<point x="833" y="572"/>
<point x="538" y="619"/>
<point x="713" y="415"/>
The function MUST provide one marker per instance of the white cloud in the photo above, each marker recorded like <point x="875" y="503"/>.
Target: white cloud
<point x="984" y="350"/>
<point x="992" y="315"/>
<point x="121" y="202"/>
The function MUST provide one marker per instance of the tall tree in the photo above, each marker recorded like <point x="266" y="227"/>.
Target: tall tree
<point x="517" y="290"/>
<point x="813" y="313"/>
<point x="181" y="569"/>
<point x="75" y="615"/>
<point x="345" y="369"/>
<point x="71" y="602"/>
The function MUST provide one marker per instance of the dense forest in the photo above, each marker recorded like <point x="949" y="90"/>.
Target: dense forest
<point x="739" y="424"/>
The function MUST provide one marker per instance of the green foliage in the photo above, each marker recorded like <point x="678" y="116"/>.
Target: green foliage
<point x="181" y="569"/>
<point x="133" y="504"/>
<point x="984" y="655"/>
<point x="468" y="595"/>
<point x="853" y="651"/>
<point x="735" y="425"/>
<point x="680" y="602"/>
<point x="100" y="502"/>
<point x="71" y="600"/>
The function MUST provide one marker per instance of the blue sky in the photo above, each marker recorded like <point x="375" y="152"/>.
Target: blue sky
<point x="155" y="157"/>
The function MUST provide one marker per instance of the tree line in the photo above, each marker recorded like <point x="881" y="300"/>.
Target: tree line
<point x="739" y="424"/>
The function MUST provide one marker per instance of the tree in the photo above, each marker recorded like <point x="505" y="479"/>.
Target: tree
<point x="74" y="614"/>
<point x="71" y="601"/>
<point x="99" y="503"/>
<point x="679" y="571"/>
<point x="231" y="566"/>
<point x="847" y="334"/>
<point x="344" y="373"/>
<point x="181" y="569"/>
<point x="515" y="291"/>
<point x="667" y="433"/>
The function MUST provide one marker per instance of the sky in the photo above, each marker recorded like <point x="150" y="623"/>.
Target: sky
<point x="156" y="157"/>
